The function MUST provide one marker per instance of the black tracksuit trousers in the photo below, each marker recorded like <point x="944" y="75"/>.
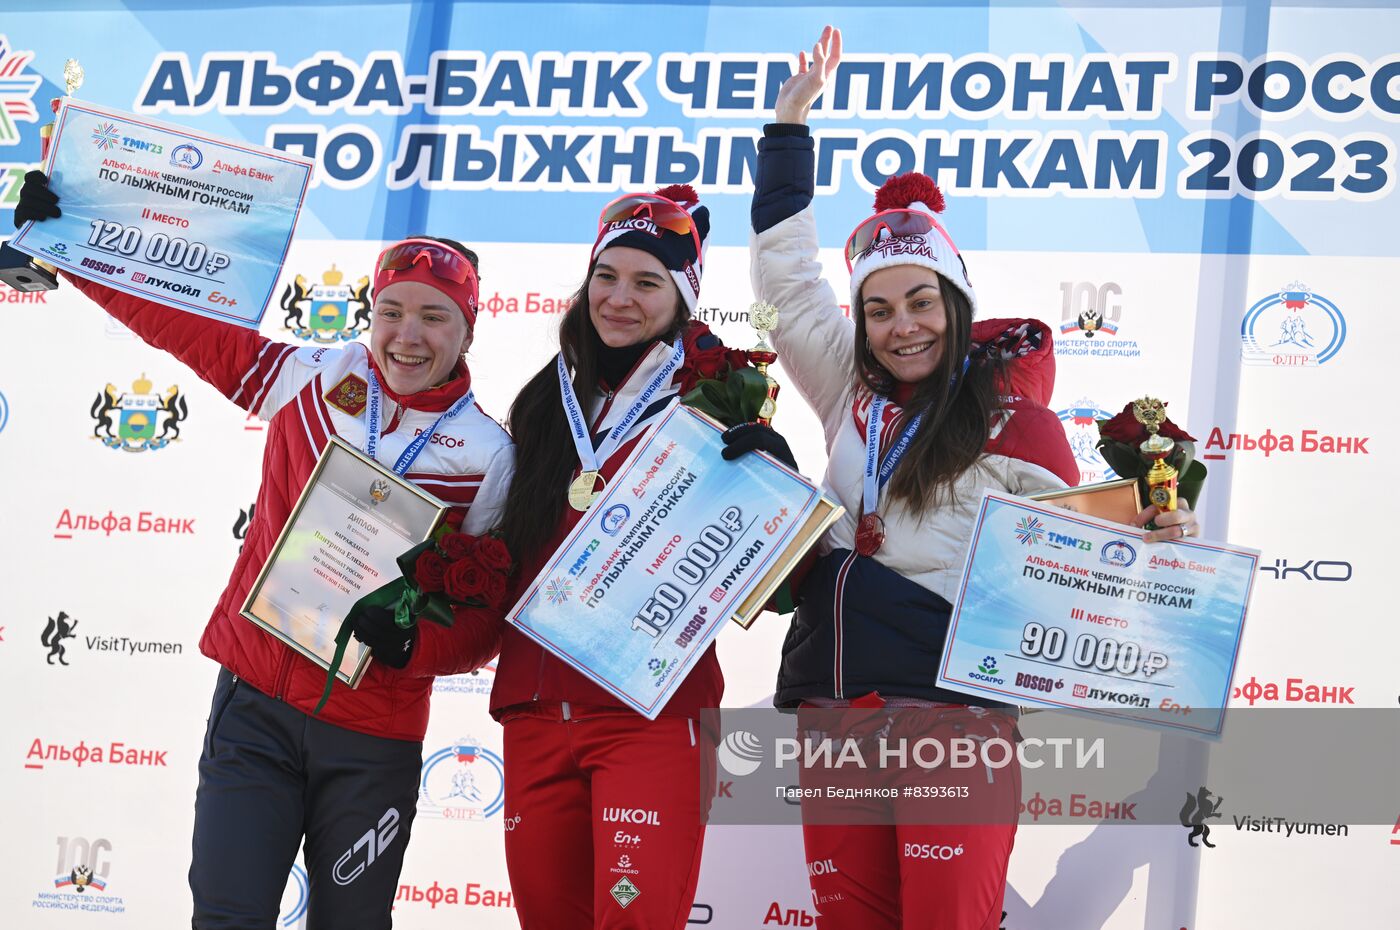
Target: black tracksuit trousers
<point x="270" y="776"/>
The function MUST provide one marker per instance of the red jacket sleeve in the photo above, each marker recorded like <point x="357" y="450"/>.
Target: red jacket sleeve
<point x="472" y="641"/>
<point x="237" y="361"/>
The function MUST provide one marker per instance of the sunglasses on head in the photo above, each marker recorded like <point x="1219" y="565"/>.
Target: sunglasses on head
<point x="641" y="209"/>
<point x="444" y="262"/>
<point x="897" y="223"/>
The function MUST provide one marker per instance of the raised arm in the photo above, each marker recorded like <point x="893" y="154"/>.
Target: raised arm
<point x="237" y="361"/>
<point x="813" y="336"/>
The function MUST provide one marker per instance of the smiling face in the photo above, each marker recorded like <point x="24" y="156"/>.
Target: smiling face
<point x="417" y="337"/>
<point x="631" y="297"/>
<point x="905" y="320"/>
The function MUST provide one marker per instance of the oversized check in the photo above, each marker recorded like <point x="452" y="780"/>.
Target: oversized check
<point x="1057" y="609"/>
<point x="668" y="553"/>
<point x="165" y="213"/>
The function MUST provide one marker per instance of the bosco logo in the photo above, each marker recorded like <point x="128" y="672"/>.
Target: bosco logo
<point x="1292" y="328"/>
<point x="464" y="781"/>
<point x="136" y="416"/>
<point x="330" y="305"/>
<point x="1082" y="431"/>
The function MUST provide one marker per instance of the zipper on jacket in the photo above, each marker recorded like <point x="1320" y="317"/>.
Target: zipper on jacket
<point x="609" y="395"/>
<point x="564" y="706"/>
<point x="539" y="677"/>
<point x="283" y="673"/>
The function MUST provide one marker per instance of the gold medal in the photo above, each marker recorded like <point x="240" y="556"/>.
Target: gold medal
<point x="583" y="490"/>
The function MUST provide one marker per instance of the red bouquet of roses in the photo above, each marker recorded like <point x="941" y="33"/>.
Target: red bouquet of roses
<point x="717" y="380"/>
<point x="451" y="568"/>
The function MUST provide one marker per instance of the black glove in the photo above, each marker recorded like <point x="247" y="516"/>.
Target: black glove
<point x="36" y="201"/>
<point x="392" y="644"/>
<point x="749" y="436"/>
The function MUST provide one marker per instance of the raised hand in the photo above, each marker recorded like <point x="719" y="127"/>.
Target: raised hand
<point x="799" y="92"/>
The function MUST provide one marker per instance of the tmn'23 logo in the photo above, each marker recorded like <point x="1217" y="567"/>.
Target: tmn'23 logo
<point x="329" y="305"/>
<point x="138" y="420"/>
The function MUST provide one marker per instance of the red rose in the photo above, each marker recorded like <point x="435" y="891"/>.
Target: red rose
<point x="465" y="579"/>
<point x="456" y="545"/>
<point x="493" y="554"/>
<point x="1126" y="428"/>
<point x="429" y="570"/>
<point x="493" y="589"/>
<point x="708" y="363"/>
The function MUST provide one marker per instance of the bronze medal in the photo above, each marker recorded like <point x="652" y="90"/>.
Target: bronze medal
<point x="870" y="534"/>
<point x="584" y="489"/>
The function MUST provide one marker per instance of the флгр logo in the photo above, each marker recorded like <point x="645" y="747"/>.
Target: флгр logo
<point x="186" y="156"/>
<point x="1118" y="554"/>
<point x="1292" y="328"/>
<point x="1082" y="431"/>
<point x="464" y="781"/>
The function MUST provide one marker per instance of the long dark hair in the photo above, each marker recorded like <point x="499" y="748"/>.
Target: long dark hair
<point x="545" y="456"/>
<point x="957" y="407"/>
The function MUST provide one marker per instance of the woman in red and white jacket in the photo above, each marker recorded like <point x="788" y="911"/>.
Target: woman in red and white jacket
<point x="922" y="408"/>
<point x="272" y="774"/>
<point x="606" y="806"/>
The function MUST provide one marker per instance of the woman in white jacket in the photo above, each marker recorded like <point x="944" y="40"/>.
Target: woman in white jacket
<point x="922" y="409"/>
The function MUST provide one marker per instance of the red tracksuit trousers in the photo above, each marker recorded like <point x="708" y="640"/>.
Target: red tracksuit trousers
<point x="604" y="817"/>
<point x="888" y="867"/>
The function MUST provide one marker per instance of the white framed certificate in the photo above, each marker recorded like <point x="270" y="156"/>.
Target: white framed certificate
<point x="342" y="541"/>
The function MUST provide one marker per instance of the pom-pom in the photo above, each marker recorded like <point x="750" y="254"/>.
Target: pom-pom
<point x="900" y="191"/>
<point x="680" y="193"/>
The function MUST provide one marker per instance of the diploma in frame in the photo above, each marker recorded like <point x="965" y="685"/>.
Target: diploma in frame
<point x="353" y="520"/>
<point x="1108" y="500"/>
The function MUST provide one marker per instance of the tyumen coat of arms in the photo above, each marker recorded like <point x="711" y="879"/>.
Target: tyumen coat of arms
<point x="338" y="312"/>
<point x="138" y="420"/>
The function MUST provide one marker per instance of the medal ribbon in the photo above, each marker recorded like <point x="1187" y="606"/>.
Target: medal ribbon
<point x="590" y="459"/>
<point x="406" y="458"/>
<point x="876" y="480"/>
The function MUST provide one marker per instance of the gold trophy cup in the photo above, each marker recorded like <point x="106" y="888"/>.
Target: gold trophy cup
<point x="1161" y="477"/>
<point x="763" y="317"/>
<point x="17" y="269"/>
